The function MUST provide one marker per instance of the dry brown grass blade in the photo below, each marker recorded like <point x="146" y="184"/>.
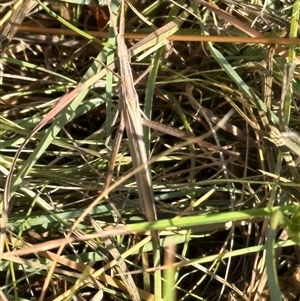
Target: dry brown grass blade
<point x="121" y="266"/>
<point x="182" y="135"/>
<point x="240" y="25"/>
<point x="231" y="19"/>
<point x="13" y="19"/>
<point x="174" y="37"/>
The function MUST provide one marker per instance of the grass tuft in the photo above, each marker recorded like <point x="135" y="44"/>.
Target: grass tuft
<point x="219" y="85"/>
